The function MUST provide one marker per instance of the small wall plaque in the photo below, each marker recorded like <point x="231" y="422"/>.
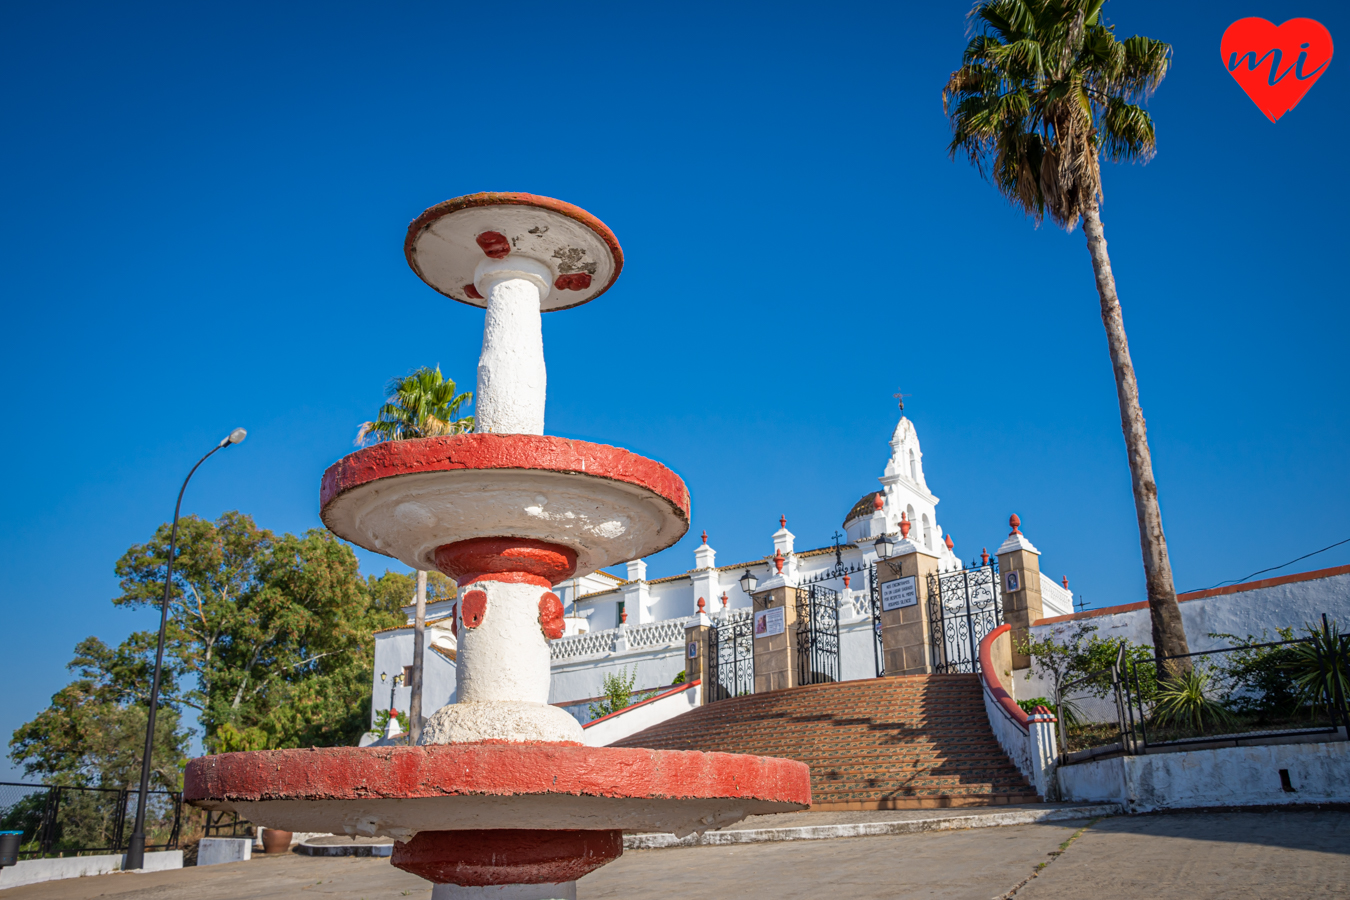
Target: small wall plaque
<point x="900" y="593"/>
<point x="769" y="622"/>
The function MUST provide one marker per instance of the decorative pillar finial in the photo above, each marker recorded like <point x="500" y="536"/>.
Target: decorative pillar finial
<point x="705" y="537"/>
<point x="724" y="599"/>
<point x="1065" y="582"/>
<point x="700" y="605"/>
<point x="845" y="582"/>
<point x="878" y="502"/>
<point x="984" y="556"/>
<point x="1015" y="523"/>
<point x="904" y="526"/>
<point x="782" y="521"/>
<point x="778" y="560"/>
<point x="950" y="542"/>
<point x="623" y="617"/>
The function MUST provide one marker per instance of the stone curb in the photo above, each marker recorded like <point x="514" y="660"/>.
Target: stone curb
<point x="344" y="849"/>
<point x="869" y="829"/>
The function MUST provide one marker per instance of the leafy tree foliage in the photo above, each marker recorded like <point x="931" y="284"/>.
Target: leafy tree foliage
<point x="268" y="641"/>
<point x="93" y="734"/>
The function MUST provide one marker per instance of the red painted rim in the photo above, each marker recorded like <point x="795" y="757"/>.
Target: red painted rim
<point x="494" y="768"/>
<point x="507" y="855"/>
<point x="493" y="198"/>
<point x="501" y="451"/>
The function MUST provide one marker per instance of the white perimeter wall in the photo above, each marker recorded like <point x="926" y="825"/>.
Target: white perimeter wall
<point x="1247" y="612"/>
<point x="1231" y="776"/>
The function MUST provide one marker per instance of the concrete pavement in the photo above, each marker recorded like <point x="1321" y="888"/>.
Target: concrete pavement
<point x="1286" y="855"/>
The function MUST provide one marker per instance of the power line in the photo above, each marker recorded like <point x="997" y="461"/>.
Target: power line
<point x="1274" y="568"/>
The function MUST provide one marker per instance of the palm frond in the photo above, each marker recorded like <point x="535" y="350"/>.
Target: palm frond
<point x="1044" y="90"/>
<point x="421" y="404"/>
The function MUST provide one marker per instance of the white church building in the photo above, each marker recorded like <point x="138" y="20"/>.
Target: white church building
<point x="637" y="625"/>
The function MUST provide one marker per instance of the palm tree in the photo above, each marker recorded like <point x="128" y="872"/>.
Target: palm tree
<point x="423" y="404"/>
<point x="1043" y="93"/>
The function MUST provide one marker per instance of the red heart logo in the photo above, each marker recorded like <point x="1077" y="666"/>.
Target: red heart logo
<point x="1276" y="65"/>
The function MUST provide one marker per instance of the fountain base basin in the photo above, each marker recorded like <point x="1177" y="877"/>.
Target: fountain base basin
<point x="507" y="856"/>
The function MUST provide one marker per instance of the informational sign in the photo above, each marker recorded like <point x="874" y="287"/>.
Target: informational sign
<point x="1012" y="581"/>
<point x="900" y="593"/>
<point x="693" y="649"/>
<point x="769" y="622"/>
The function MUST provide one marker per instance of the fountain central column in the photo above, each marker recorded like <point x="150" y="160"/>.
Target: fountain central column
<point x="512" y="380"/>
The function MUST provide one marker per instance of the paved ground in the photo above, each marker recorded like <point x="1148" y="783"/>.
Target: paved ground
<point x="1268" y="855"/>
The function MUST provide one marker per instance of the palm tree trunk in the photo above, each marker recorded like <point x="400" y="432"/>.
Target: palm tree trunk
<point x="1169" y="637"/>
<point x="419" y="631"/>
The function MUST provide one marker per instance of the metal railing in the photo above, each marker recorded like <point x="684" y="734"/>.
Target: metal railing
<point x="69" y="821"/>
<point x="1247" y="694"/>
<point x="1250" y="693"/>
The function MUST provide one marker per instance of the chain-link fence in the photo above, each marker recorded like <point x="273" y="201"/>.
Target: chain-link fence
<point x="1261" y="691"/>
<point x="69" y="821"/>
<point x="1090" y="711"/>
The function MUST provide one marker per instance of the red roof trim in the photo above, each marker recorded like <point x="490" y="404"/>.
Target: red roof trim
<point x="675" y="690"/>
<point x="1201" y="595"/>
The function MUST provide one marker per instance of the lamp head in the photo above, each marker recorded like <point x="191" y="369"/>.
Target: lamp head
<point x="234" y="437"/>
<point x="748" y="581"/>
<point x="884" y="545"/>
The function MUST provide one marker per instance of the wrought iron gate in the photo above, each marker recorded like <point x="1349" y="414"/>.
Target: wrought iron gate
<point x="963" y="607"/>
<point x="731" y="657"/>
<point x="874" y="593"/>
<point x="817" y="634"/>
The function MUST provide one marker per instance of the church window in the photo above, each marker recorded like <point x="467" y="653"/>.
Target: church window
<point x="927" y="532"/>
<point x="913" y="468"/>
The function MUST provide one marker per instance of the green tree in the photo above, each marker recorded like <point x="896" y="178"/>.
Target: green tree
<point x="423" y="404"/>
<point x="1043" y="93"/>
<point x="269" y="638"/>
<point x="93" y="733"/>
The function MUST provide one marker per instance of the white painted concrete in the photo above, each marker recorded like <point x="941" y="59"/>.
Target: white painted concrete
<point x="445" y="253"/>
<point x="1011" y="736"/>
<point x="630" y="721"/>
<point x="34" y="871"/>
<point x="503" y="675"/>
<point x="409" y="516"/>
<point x="215" y="851"/>
<point x="511" y="374"/>
<point x="1229" y="776"/>
<point x="565" y="891"/>
<point x="990" y="819"/>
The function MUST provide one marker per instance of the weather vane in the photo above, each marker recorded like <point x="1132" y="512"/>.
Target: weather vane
<point x="901" y="398"/>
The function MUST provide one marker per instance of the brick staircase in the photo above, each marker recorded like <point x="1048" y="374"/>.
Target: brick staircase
<point x="903" y="742"/>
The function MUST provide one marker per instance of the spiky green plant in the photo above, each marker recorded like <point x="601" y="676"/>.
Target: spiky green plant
<point x="1183" y="701"/>
<point x="1045" y="90"/>
<point x="422" y="404"/>
<point x="1321" y="667"/>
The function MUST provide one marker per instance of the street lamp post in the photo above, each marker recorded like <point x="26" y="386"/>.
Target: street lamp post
<point x="136" y="846"/>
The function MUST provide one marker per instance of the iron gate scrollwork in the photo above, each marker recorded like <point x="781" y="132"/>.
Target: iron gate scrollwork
<point x="874" y="593"/>
<point x="963" y="607"/>
<point x="731" y="657"/>
<point x="817" y="635"/>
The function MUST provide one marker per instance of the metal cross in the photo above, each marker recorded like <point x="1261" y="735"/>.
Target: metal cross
<point x="901" y="398"/>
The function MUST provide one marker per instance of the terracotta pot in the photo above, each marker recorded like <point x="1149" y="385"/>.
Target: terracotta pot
<point x="275" y="841"/>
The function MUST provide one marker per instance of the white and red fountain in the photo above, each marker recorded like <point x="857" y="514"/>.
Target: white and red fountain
<point x="501" y="799"/>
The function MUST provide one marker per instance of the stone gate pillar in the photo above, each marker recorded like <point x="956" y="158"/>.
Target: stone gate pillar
<point x="1019" y="567"/>
<point x="696" y="650"/>
<point x="775" y="631"/>
<point x="906" y="633"/>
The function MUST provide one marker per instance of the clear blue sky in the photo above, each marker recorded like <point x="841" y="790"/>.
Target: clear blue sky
<point x="204" y="209"/>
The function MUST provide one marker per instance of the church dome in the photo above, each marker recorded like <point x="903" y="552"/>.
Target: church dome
<point x="863" y="508"/>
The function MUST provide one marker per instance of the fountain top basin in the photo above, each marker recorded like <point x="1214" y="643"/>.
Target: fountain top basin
<point x="446" y="243"/>
<point x="407" y="498"/>
<point x="400" y="791"/>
